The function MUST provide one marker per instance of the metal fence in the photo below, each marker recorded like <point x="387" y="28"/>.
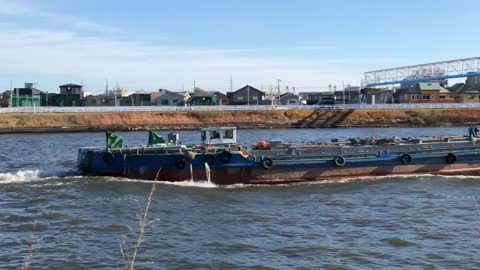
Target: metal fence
<point x="239" y="108"/>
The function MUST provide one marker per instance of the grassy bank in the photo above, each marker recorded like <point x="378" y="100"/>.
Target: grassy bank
<point x="44" y="122"/>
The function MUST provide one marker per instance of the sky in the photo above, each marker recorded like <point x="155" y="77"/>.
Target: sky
<point x="152" y="44"/>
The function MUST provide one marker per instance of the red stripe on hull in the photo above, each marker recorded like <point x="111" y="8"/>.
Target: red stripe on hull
<point x="229" y="176"/>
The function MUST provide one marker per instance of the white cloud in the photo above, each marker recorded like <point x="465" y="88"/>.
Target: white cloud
<point x="81" y="54"/>
<point x="10" y="8"/>
<point x="14" y="8"/>
<point x="137" y="65"/>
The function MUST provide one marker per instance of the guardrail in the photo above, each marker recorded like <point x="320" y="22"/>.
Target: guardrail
<point x="238" y="108"/>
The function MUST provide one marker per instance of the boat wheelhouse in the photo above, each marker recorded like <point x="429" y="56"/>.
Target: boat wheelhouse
<point x="219" y="135"/>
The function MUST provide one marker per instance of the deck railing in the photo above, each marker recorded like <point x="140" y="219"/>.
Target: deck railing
<point x="238" y="108"/>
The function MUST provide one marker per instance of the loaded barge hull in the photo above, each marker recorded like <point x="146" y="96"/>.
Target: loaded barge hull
<point x="227" y="163"/>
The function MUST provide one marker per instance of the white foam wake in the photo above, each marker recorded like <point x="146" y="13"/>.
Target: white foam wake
<point x="190" y="183"/>
<point x="24" y="176"/>
<point x="20" y="176"/>
<point x="185" y="183"/>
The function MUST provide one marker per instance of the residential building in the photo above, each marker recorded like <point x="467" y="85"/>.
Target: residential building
<point x="5" y="99"/>
<point x="119" y="92"/>
<point x="313" y="98"/>
<point x="139" y="98"/>
<point x="352" y="95"/>
<point x="327" y="98"/>
<point x="51" y="99"/>
<point x="377" y="95"/>
<point x="426" y="92"/>
<point x="70" y="95"/>
<point x="411" y="85"/>
<point x="28" y="96"/>
<point x="71" y="89"/>
<point x="169" y="98"/>
<point x="65" y="100"/>
<point x="222" y="99"/>
<point x="399" y="95"/>
<point x="270" y="99"/>
<point x="465" y="93"/>
<point x="473" y="82"/>
<point x="100" y="100"/>
<point x="247" y="95"/>
<point x="289" y="99"/>
<point x="201" y="97"/>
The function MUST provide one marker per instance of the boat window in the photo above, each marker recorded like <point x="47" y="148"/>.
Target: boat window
<point x="214" y="135"/>
<point x="228" y="134"/>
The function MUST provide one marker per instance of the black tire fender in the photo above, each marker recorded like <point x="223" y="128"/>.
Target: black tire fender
<point x="180" y="163"/>
<point x="451" y="158"/>
<point x="209" y="159"/>
<point x="267" y="163"/>
<point x="226" y="156"/>
<point x="339" y="161"/>
<point x="87" y="159"/>
<point x="108" y="158"/>
<point x="406" y="159"/>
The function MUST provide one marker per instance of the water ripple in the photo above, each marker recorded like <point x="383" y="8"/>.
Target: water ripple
<point x="426" y="222"/>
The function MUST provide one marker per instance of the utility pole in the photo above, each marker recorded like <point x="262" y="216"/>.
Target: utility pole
<point x="278" y="88"/>
<point x="18" y="97"/>
<point x="194" y="85"/>
<point x="349" y="97"/>
<point x="115" y="97"/>
<point x="11" y="95"/>
<point x="231" y="84"/>
<point x="106" y="88"/>
<point x="359" y="96"/>
<point x="343" y="86"/>
<point x="271" y="94"/>
<point x="248" y="94"/>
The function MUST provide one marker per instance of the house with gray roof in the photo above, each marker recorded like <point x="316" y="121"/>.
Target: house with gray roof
<point x="464" y="93"/>
<point x="201" y="97"/>
<point x="289" y="98"/>
<point x="246" y="95"/>
<point x="170" y="98"/>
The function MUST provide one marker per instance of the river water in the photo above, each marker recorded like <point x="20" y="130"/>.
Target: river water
<point x="412" y="222"/>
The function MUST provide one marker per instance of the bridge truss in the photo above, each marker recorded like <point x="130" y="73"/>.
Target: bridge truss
<point x="468" y="67"/>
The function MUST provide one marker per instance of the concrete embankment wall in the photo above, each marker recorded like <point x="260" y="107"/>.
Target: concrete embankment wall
<point x="54" y="122"/>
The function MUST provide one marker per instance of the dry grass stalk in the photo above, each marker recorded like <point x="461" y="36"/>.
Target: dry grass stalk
<point x="143" y="223"/>
<point x="31" y="248"/>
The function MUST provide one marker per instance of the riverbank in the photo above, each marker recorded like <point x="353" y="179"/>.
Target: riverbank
<point x="78" y="122"/>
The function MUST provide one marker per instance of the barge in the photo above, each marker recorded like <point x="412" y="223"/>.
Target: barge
<point x="223" y="161"/>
